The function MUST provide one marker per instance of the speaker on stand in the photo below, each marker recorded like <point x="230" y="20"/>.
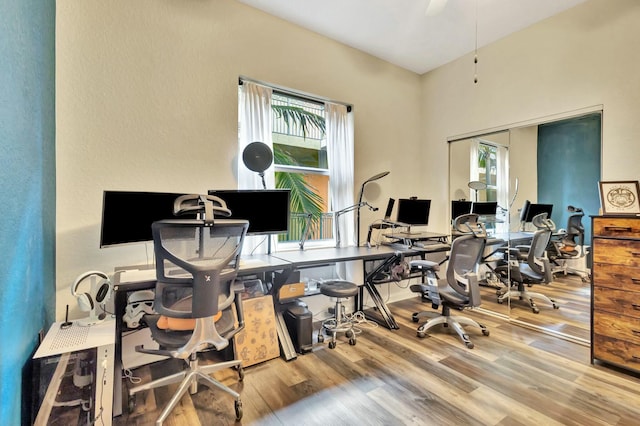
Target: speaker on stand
<point x="257" y="156"/>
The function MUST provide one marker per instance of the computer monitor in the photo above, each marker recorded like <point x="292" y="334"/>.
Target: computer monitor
<point x="536" y="209"/>
<point x="267" y="210"/>
<point x="127" y="215"/>
<point x="459" y="207"/>
<point x="485" y="208"/>
<point x="413" y="211"/>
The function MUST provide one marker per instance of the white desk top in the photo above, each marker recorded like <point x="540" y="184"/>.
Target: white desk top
<point x="76" y="338"/>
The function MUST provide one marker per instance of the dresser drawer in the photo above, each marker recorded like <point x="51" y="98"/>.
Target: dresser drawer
<point x="617" y="326"/>
<point x="616" y="276"/>
<point x="616" y="252"/>
<point x="616" y="227"/>
<point x="616" y="301"/>
<point x="620" y="352"/>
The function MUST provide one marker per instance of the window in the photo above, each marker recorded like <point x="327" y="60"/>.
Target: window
<point x="487" y="172"/>
<point x="301" y="164"/>
<point x="489" y="166"/>
<point x="312" y="145"/>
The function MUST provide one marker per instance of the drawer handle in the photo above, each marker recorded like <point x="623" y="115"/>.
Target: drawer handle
<point x="618" y="228"/>
<point x="635" y="280"/>
<point x="635" y="358"/>
<point x="635" y="306"/>
<point x="635" y="253"/>
<point x="636" y="332"/>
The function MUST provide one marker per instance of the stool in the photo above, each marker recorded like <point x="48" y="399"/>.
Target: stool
<point x="339" y="323"/>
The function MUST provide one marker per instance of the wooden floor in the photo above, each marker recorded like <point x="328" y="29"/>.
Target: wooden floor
<point x="515" y="376"/>
<point x="571" y="294"/>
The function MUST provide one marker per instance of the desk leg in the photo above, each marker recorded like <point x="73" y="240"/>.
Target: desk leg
<point x="387" y="318"/>
<point x="120" y="304"/>
<point x="286" y="345"/>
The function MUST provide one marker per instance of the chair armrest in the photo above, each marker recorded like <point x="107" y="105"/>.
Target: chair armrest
<point x="425" y="265"/>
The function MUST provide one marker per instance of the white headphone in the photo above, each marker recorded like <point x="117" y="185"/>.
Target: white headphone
<point x="85" y="301"/>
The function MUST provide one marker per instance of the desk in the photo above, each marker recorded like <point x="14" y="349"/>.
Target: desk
<point x="127" y="280"/>
<point x="133" y="280"/>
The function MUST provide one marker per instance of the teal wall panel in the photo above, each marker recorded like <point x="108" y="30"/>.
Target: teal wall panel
<point x="27" y="191"/>
<point x="569" y="164"/>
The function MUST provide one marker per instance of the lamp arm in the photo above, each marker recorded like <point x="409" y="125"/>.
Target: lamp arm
<point x="339" y="213"/>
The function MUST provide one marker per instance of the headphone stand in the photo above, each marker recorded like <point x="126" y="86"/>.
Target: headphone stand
<point x="92" y="319"/>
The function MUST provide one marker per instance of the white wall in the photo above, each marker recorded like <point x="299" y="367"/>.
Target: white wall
<point x="147" y="100"/>
<point x="583" y="57"/>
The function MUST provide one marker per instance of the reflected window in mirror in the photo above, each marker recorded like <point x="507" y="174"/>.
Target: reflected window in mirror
<point x="489" y="171"/>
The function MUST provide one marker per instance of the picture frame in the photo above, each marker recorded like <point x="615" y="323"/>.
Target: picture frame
<point x="620" y="197"/>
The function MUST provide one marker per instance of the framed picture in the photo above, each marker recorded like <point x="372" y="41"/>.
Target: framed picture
<point x="620" y="197"/>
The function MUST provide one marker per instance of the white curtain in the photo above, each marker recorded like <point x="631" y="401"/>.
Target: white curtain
<point x="502" y="177"/>
<point x="339" y="125"/>
<point x="254" y="114"/>
<point x="474" y="171"/>
<point x="255" y="126"/>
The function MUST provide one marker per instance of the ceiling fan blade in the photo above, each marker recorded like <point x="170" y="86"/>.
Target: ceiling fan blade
<point x="434" y="7"/>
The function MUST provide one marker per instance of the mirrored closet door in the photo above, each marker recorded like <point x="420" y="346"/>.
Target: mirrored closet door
<point x="552" y="162"/>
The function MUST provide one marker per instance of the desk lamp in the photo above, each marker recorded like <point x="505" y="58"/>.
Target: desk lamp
<point x="477" y="185"/>
<point x="371" y="179"/>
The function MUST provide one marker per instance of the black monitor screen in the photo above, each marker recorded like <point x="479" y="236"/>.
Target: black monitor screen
<point x="413" y="211"/>
<point x="267" y="210"/>
<point x="485" y="208"/>
<point x="459" y="207"/>
<point x="536" y="209"/>
<point x="127" y="215"/>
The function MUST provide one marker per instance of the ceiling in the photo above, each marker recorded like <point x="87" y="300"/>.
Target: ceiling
<point x="414" y="34"/>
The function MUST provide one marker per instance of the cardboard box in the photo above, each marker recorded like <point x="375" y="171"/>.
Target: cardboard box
<point x="290" y="291"/>
<point x="258" y="341"/>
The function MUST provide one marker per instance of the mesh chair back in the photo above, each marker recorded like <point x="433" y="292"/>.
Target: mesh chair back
<point x="539" y="244"/>
<point x="464" y="258"/>
<point x="196" y="260"/>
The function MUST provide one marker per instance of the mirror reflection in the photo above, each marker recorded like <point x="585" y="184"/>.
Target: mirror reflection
<point x="552" y="168"/>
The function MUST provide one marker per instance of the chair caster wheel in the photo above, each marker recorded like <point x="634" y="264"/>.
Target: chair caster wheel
<point x="535" y="310"/>
<point x="349" y="334"/>
<point x="332" y="345"/>
<point x="131" y="403"/>
<point x="500" y="301"/>
<point x="555" y="306"/>
<point x="240" y="373"/>
<point x="414" y="317"/>
<point x="352" y="341"/>
<point x="320" y="338"/>
<point x="238" y="407"/>
<point x="421" y="334"/>
<point x="469" y="345"/>
<point x="485" y="332"/>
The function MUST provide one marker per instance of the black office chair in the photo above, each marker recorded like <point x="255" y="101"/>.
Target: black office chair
<point x="459" y="289"/>
<point x="528" y="264"/>
<point x="568" y="245"/>
<point x="197" y="301"/>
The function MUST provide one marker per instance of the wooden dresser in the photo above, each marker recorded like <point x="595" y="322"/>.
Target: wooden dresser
<point x="615" y="291"/>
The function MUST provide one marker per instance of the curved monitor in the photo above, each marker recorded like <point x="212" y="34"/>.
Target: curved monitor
<point x="127" y="215"/>
<point x="535" y="209"/>
<point x="459" y="207"/>
<point x="267" y="210"/>
<point x="485" y="208"/>
<point x="413" y="211"/>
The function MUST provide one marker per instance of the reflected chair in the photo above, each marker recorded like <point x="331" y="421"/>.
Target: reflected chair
<point x="568" y="245"/>
<point x="528" y="265"/>
<point x="459" y="289"/>
<point x="197" y="301"/>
